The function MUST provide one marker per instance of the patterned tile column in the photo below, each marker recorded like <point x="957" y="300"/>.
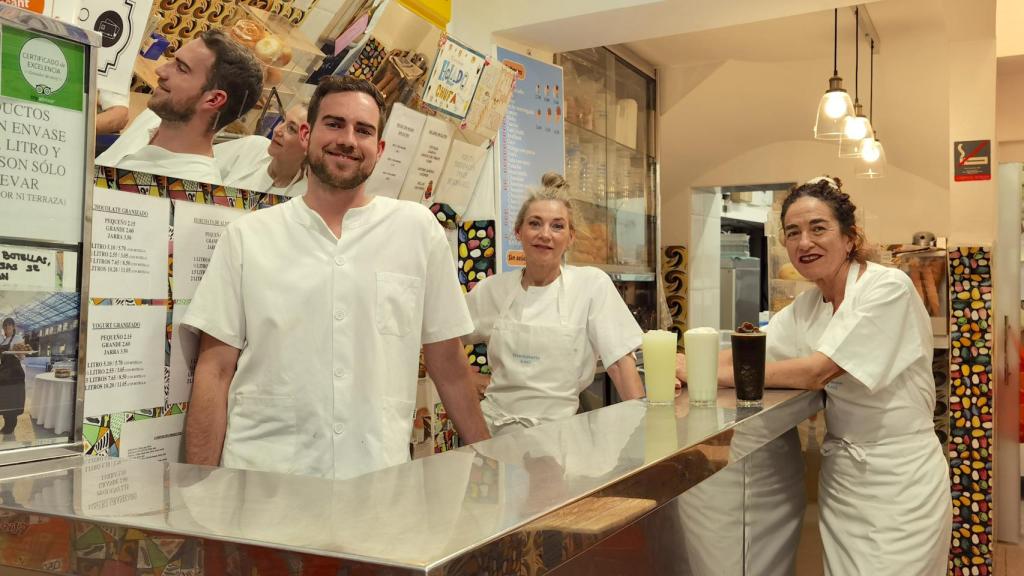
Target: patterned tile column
<point x="971" y="336"/>
<point x="674" y="273"/>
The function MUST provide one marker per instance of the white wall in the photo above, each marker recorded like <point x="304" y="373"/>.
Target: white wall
<point x="740" y="122"/>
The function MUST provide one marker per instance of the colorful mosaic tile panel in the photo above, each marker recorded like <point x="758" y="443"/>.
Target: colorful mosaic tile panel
<point x="476" y="252"/>
<point x="674" y="273"/>
<point x="971" y="337"/>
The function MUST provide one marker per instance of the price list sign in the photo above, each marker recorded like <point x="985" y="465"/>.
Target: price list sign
<point x="532" y="142"/>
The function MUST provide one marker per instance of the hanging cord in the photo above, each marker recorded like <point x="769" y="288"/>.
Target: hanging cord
<point x="856" y="63"/>
<point x="835" y="42"/>
<point x="871" y="96"/>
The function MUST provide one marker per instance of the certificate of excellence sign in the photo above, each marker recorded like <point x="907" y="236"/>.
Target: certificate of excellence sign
<point x="453" y="78"/>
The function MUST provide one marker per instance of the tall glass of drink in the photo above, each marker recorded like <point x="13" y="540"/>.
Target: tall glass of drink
<point x="702" y="365"/>
<point x="660" y="366"/>
<point x="748" y="358"/>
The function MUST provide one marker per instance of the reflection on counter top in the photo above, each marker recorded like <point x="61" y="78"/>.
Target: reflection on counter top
<point x="457" y="512"/>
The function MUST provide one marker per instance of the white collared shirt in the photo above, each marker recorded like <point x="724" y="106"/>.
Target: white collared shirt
<point x="329" y="331"/>
<point x="881" y="337"/>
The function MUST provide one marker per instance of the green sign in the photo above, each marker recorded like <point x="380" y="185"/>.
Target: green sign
<point x="38" y="68"/>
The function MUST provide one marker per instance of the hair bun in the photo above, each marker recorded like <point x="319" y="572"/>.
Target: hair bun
<point x="553" y="180"/>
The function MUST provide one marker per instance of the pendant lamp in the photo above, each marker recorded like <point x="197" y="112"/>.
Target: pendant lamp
<point x="856" y="127"/>
<point x="835" y="105"/>
<point x="871" y="163"/>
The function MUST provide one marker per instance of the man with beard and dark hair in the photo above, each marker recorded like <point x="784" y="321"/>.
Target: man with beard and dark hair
<point x="209" y="83"/>
<point x="312" y="313"/>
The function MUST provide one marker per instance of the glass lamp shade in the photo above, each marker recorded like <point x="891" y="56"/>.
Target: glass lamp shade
<point x="833" y="109"/>
<point x="856" y="131"/>
<point x="871" y="162"/>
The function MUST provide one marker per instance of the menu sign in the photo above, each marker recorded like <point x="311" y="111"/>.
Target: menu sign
<point x="532" y="142"/>
<point x="453" y="78"/>
<point x="42" y="136"/>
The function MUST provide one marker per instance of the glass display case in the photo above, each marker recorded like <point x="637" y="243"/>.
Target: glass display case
<point x="611" y="169"/>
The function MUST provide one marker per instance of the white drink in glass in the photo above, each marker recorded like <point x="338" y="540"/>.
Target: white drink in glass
<point x="702" y="365"/>
<point x="660" y="366"/>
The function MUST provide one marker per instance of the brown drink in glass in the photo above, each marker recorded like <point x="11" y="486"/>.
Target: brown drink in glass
<point x="748" y="350"/>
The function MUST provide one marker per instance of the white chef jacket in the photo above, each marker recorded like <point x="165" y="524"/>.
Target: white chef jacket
<point x="132" y="151"/>
<point x="329" y="331"/>
<point x="594" y="304"/>
<point x="134" y="137"/>
<point x="245" y="163"/>
<point x="884" y="488"/>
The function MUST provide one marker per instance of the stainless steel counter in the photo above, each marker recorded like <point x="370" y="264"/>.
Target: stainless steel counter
<point x="530" y="502"/>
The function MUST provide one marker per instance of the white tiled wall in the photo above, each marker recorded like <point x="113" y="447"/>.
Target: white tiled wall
<point x="704" y="253"/>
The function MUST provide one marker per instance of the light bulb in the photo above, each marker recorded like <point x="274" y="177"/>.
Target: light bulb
<point x="856" y="128"/>
<point x="870" y="151"/>
<point x="835" y="104"/>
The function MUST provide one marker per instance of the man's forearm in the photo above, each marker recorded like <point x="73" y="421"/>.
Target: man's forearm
<point x="462" y="405"/>
<point x="449" y="369"/>
<point x="206" y="422"/>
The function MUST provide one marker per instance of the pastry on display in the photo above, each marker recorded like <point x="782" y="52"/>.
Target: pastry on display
<point x="268" y="49"/>
<point x="247" y="32"/>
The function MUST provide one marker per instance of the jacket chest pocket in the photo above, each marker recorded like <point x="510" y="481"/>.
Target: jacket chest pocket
<point x="398" y="303"/>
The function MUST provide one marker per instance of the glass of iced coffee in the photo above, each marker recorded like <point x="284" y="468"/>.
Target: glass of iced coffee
<point x="748" y="349"/>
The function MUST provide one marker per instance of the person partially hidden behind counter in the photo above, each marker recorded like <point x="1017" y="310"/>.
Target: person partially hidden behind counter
<point x="312" y="314"/>
<point x="546" y="325"/>
<point x="211" y="81"/>
<point x="863" y="335"/>
<point x="276" y="165"/>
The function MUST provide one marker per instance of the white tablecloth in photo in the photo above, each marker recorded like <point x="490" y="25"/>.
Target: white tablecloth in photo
<point x="53" y="401"/>
<point x="33" y="367"/>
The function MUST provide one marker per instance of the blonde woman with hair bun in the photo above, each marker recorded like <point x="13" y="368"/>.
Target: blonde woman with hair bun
<point x="546" y="325"/>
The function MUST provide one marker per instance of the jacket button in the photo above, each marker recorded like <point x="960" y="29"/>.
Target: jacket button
<point x="339" y="315"/>
<point x="339" y="428"/>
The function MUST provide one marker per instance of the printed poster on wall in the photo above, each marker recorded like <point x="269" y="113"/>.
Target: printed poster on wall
<point x="120" y="24"/>
<point x="157" y="439"/>
<point x="532" y="142"/>
<point x="125" y="369"/>
<point x="129" y="245"/>
<point x="402" y="134"/>
<point x="460" y="174"/>
<point x="431" y="153"/>
<point x="197" y="228"/>
<point x="491" y="101"/>
<point x="42" y="137"/>
<point x="453" y="78"/>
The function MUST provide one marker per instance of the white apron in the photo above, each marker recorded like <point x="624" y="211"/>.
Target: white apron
<point x="884" y="495"/>
<point x="534" y="368"/>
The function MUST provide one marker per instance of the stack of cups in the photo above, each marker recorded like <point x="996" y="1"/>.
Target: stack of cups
<point x="702" y="365"/>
